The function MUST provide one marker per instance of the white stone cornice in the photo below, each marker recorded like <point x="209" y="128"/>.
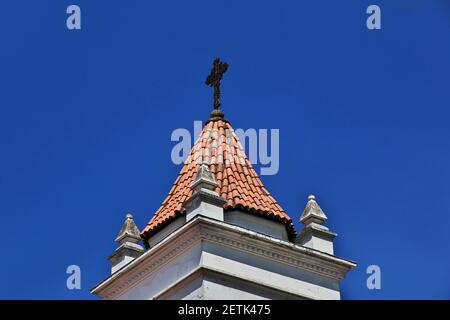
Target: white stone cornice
<point x="149" y="263"/>
<point x="203" y="229"/>
<point x="277" y="250"/>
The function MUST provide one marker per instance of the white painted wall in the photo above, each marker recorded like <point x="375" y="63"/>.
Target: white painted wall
<point x="257" y="224"/>
<point x="238" y="218"/>
<point x="167" y="230"/>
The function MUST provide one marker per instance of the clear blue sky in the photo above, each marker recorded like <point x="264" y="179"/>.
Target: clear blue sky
<point x="86" y="118"/>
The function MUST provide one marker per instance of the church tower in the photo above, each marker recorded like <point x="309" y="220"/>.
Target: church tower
<point x="220" y="234"/>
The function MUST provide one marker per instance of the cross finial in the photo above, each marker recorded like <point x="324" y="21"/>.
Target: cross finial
<point x="213" y="80"/>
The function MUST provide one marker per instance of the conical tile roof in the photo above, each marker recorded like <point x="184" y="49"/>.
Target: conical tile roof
<point x="219" y="147"/>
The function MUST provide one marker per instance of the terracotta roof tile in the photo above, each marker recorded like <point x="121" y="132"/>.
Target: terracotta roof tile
<point x="237" y="181"/>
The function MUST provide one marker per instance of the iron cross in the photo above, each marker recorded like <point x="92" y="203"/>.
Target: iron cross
<point x="213" y="80"/>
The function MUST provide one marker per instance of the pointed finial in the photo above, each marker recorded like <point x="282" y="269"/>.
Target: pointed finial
<point x="314" y="234"/>
<point x="204" y="200"/>
<point x="204" y="179"/>
<point x="129" y="249"/>
<point x="312" y="213"/>
<point x="129" y="231"/>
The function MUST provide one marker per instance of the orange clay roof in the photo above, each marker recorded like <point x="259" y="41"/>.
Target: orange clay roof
<point x="219" y="147"/>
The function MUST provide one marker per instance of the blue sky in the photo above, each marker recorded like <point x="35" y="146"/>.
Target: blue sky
<point x="86" y="119"/>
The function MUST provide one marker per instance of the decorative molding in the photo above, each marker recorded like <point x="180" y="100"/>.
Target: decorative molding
<point x="145" y="266"/>
<point x="277" y="250"/>
<point x="281" y="257"/>
<point x="203" y="229"/>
